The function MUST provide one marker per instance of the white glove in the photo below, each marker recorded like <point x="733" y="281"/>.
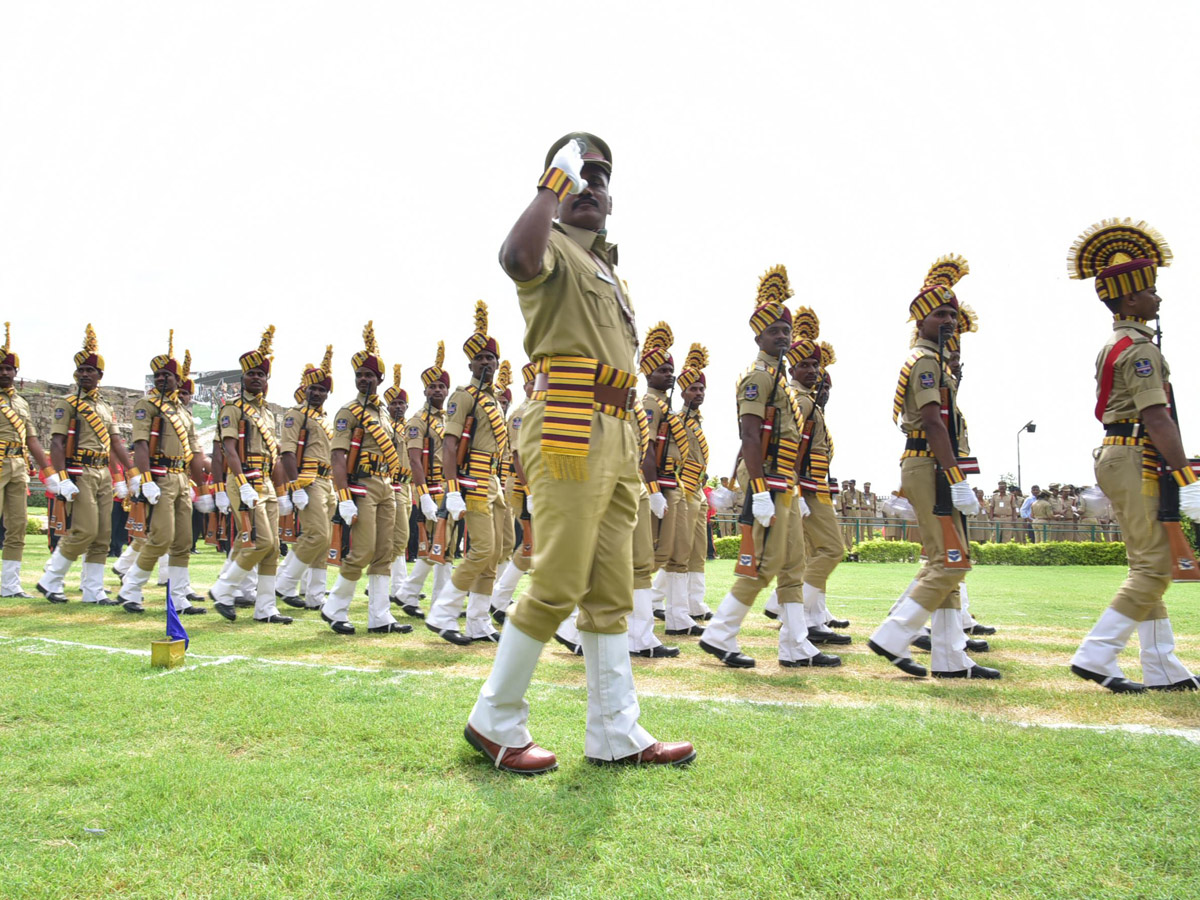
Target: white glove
<point x="569" y="158"/>
<point x="248" y="494"/>
<point x="221" y="499"/>
<point x="721" y="499"/>
<point x="1189" y="500"/>
<point x="804" y="507"/>
<point x="151" y="492"/>
<point x="285" y="504"/>
<point x="455" y="505"/>
<point x="51" y="482"/>
<point x="204" y="503"/>
<point x="964" y="499"/>
<point x="658" y="504"/>
<point x="131" y="486"/>
<point x="121" y="489"/>
<point x="428" y="507"/>
<point x="348" y="510"/>
<point x="67" y="489"/>
<point x="529" y="503"/>
<point x="300" y="498"/>
<point x="763" y="508"/>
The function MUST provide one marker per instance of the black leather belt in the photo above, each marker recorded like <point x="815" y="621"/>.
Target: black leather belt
<point x="1123" y="429"/>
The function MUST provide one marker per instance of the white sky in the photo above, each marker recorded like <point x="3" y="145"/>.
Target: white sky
<point x="215" y="167"/>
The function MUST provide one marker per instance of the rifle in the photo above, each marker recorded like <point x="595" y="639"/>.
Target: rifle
<point x="58" y="516"/>
<point x="339" y="538"/>
<point x="526" y="529"/>
<point x="246" y="531"/>
<point x="748" y="560"/>
<point x="1183" y="558"/>
<point x="664" y="431"/>
<point x="216" y="530"/>
<point x="289" y="525"/>
<point x="464" y="442"/>
<point x="426" y="461"/>
<point x="441" y="535"/>
<point x="957" y="554"/>
<point x="137" y="525"/>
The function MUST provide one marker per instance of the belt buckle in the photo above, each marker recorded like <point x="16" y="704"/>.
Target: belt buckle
<point x="631" y="400"/>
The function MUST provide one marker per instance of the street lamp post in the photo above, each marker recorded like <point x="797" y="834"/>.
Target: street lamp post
<point x="1030" y="427"/>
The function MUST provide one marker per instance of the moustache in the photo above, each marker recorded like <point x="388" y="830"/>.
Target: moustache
<point x="586" y="198"/>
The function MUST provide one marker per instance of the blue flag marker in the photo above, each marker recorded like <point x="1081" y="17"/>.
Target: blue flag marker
<point x="174" y="627"/>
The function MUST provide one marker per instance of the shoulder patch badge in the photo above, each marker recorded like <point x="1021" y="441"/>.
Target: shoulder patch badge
<point x="289" y="421"/>
<point x="751" y="392"/>
<point x="342" y="424"/>
<point x="139" y="414"/>
<point x="516" y="422"/>
<point x="224" y="421"/>
<point x="58" y="413"/>
<point x="451" y="408"/>
<point x="1143" y="368"/>
<point x="413" y="432"/>
<point x="926" y="379"/>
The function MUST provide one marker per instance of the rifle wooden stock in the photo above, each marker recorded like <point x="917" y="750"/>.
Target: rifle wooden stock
<point x="1183" y="558"/>
<point x="660" y="442"/>
<point x="957" y="555"/>
<point x="246" y="530"/>
<point x="137" y="525"/>
<point x="356" y="439"/>
<point x="767" y="432"/>
<point x="747" y="561"/>
<point x="441" y="537"/>
<point x="422" y="539"/>
<point x="289" y="528"/>
<point x="526" y="532"/>
<point x="211" y="528"/>
<point x="464" y="442"/>
<point x="58" y="519"/>
<point x="339" y="541"/>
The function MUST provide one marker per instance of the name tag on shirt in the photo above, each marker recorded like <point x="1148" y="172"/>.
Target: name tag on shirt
<point x="606" y="278"/>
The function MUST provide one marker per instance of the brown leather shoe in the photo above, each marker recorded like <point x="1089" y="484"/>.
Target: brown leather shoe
<point x="677" y="753"/>
<point x="528" y="760"/>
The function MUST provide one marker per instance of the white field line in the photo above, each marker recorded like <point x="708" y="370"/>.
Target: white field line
<point x="1191" y="735"/>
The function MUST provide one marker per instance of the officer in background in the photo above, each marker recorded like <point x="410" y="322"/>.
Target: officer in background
<point x="396" y="399"/>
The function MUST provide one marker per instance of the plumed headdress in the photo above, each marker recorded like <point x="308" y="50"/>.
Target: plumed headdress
<point x="773" y="292"/>
<point x="693" y="368"/>
<point x="939" y="286"/>
<point x="90" y="354"/>
<point x="1123" y="257"/>
<point x="968" y="321"/>
<point x="806" y="328"/>
<point x="436" y="372"/>
<point x="167" y="360"/>
<point x="828" y="357"/>
<point x="7" y="357"/>
<point x="504" y="380"/>
<point x="322" y="374"/>
<point x="368" y="357"/>
<point x="186" y="384"/>
<point x="528" y="373"/>
<point x="395" y="391"/>
<point x="479" y="341"/>
<point x="259" y="358"/>
<point x="656" y="349"/>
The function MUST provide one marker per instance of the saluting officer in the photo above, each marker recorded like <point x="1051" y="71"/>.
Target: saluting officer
<point x="18" y="434"/>
<point x="580" y="460"/>
<point x="87" y="478"/>
<point x="309" y="471"/>
<point x="366" y="501"/>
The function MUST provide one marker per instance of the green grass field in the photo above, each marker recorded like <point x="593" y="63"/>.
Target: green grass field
<point x="292" y="762"/>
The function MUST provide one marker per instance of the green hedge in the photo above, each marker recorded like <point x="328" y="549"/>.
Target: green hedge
<point x="1055" y="553"/>
<point x="727" y="547"/>
<point x="37" y="497"/>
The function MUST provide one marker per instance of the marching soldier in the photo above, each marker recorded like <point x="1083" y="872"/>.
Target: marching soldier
<point x="18" y="435"/>
<point x="165" y="449"/>
<point x="475" y="422"/>
<point x="423" y="440"/>
<point x="82" y="448"/>
<point x="771" y="426"/>
<point x="932" y="481"/>
<point x="508" y="532"/>
<point x="308" y="467"/>
<point x="251" y="451"/>
<point x="1142" y="466"/>
<point x="694" y="475"/>
<point x="396" y="399"/>
<point x="365" y="461"/>
<point x="519" y="504"/>
<point x="581" y="468"/>
<point x="180" y="577"/>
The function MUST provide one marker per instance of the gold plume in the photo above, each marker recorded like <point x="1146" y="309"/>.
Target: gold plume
<point x="1113" y="241"/>
<point x="396" y="376"/>
<point x="658" y="337"/>
<point x="90" y="344"/>
<point x="264" y="346"/>
<point x="968" y="319"/>
<point x="481" y="317"/>
<point x="828" y="357"/>
<point x="327" y="362"/>
<point x="805" y="325"/>
<point x="369" y="342"/>
<point x="440" y="358"/>
<point x="171" y="342"/>
<point x="7" y="339"/>
<point x="773" y="286"/>
<point x="503" y="377"/>
<point x="697" y="357"/>
<point x="947" y="270"/>
<point x="187" y="365"/>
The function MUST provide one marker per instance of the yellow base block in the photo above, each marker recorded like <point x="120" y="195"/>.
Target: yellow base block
<point x="166" y="654"/>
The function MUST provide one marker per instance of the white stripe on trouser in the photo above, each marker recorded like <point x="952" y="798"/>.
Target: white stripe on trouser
<point x="57" y="567"/>
<point x="500" y="713"/>
<point x="379" y="605"/>
<point x="264" y="603"/>
<point x="968" y="620"/>
<point x="125" y="560"/>
<point x="91" y="581"/>
<point x="479" y="618"/>
<point x="1160" y="665"/>
<point x="814" y="600"/>
<point x="641" y="622"/>
<point x="567" y="629"/>
<point x="337" y="602"/>
<point x="399" y="573"/>
<point x="1108" y="637"/>
<point x="316" y="584"/>
<point x="612" y="731"/>
<point x="695" y="595"/>
<point x="231" y="576"/>
<point x="948" y="643"/>
<point x="10" y="576"/>
<point x="675" y="603"/>
<point x="794" y="644"/>
<point x="901" y="626"/>
<point x="163" y="566"/>
<point x="660" y="588"/>
<point x="726" y="622"/>
<point x="447" y="604"/>
<point x="135" y="579"/>
<point x="287" y="579"/>
<point x="504" y="587"/>
<point x="181" y="586"/>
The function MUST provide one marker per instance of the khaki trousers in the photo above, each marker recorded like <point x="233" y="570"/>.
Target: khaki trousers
<point x="91" y="517"/>
<point x="400" y="528"/>
<point x="371" y="533"/>
<point x="14" y="481"/>
<point x="485" y="533"/>
<point x="643" y="544"/>
<point x="514" y="509"/>
<point x="936" y="586"/>
<point x="777" y="552"/>
<point x="698" y="553"/>
<point x="265" y="551"/>
<point x="1119" y="474"/>
<point x="584" y="550"/>
<point x="316" y="524"/>
<point x="822" y="540"/>
<point x="1041" y="530"/>
<point x="672" y="539"/>
<point x="170" y="519"/>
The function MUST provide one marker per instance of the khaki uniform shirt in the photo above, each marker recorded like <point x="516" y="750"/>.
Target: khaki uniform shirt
<point x="1138" y="376"/>
<point x="461" y="404"/>
<point x="371" y="454"/>
<point x="654" y="402"/>
<point x="924" y="381"/>
<point x="573" y="306"/>
<point x="754" y="387"/>
<point x="170" y="443"/>
<point x="85" y="436"/>
<point x="1042" y="509"/>
<point x="256" y="444"/>
<point x="1002" y="506"/>
<point x="17" y="405"/>
<point x="420" y="435"/>
<point x="318" y="447"/>
<point x="190" y="420"/>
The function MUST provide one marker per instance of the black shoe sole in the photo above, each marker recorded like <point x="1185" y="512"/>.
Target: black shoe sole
<point x="809" y="664"/>
<point x="832" y="640"/>
<point x="1115" y="684"/>
<point x="694" y="631"/>
<point x="731" y="658"/>
<point x="50" y="595"/>
<point x="450" y="636"/>
<point x="660" y="652"/>
<point x="907" y="666"/>
<point x="391" y="629"/>
<point x="573" y="647"/>
<point x="974" y="673"/>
